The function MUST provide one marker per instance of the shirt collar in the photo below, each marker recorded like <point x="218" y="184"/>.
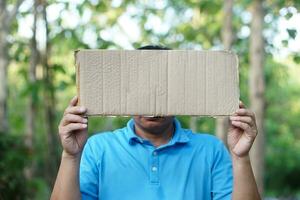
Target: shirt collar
<point x="179" y="136"/>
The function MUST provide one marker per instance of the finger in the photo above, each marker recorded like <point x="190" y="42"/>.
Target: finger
<point x="74" y="127"/>
<point x="244" y="112"/>
<point x="241" y="125"/>
<point x="242" y="105"/>
<point x="75" y="110"/>
<point x="71" y="118"/>
<point x="73" y="101"/>
<point x="245" y="119"/>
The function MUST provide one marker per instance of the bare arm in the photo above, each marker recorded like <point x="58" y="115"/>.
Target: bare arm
<point x="241" y="136"/>
<point x="67" y="181"/>
<point x="73" y="136"/>
<point x="244" y="182"/>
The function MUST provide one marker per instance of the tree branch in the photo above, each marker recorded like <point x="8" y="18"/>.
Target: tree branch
<point x="2" y="9"/>
<point x="13" y="13"/>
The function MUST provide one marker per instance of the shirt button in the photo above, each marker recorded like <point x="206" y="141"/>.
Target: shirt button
<point x="155" y="153"/>
<point x="154" y="169"/>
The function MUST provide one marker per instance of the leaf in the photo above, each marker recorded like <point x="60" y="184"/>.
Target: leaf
<point x="288" y="16"/>
<point x="296" y="58"/>
<point x="62" y="85"/>
<point x="58" y="68"/>
<point x="292" y="33"/>
<point x="285" y="43"/>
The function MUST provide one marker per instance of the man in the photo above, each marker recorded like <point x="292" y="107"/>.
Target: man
<point x="154" y="158"/>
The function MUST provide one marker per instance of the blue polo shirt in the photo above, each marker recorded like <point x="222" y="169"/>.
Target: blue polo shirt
<point x="120" y="165"/>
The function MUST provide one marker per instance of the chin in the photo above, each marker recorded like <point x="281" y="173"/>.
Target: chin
<point x="153" y="122"/>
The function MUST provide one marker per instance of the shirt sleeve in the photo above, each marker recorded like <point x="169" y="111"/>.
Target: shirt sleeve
<point x="89" y="174"/>
<point x="222" y="179"/>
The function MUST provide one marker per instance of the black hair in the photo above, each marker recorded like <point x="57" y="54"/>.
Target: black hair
<point x="153" y="47"/>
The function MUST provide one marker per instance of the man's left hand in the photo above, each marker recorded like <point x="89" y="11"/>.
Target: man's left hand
<point x="242" y="131"/>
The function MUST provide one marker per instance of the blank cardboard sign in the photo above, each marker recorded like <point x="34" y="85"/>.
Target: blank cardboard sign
<point x="157" y="82"/>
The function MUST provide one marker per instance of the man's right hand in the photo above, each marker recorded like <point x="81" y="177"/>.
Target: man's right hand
<point x="73" y="129"/>
<point x="73" y="136"/>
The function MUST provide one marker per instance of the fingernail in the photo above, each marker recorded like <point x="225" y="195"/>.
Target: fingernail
<point x="82" y="109"/>
<point x="85" y="120"/>
<point x="84" y="125"/>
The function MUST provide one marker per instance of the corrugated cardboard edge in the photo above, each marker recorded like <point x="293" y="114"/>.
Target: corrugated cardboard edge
<point x="77" y="68"/>
<point x="238" y="78"/>
<point x="237" y="82"/>
<point x="77" y="65"/>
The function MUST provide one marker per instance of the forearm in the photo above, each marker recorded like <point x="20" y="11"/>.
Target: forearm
<point x="244" y="186"/>
<point x="67" y="181"/>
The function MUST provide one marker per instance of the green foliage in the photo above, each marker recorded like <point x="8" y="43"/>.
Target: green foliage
<point x="13" y="159"/>
<point x="193" y="25"/>
<point x="283" y="132"/>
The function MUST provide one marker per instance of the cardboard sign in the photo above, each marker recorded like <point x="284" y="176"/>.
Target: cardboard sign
<point x="157" y="82"/>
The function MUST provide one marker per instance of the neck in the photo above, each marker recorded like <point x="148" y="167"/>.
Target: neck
<point x="157" y="138"/>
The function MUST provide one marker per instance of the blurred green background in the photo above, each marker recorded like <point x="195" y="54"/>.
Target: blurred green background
<point x="37" y="42"/>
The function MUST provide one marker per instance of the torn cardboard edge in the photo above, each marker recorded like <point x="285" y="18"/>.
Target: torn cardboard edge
<point x="157" y="82"/>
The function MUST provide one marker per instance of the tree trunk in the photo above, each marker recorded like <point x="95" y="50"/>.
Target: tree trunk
<point x="3" y="80"/>
<point x="31" y="109"/>
<point x="227" y="39"/>
<point x="108" y="124"/>
<point x="193" y="123"/>
<point x="4" y="60"/>
<point x="6" y="19"/>
<point x="52" y="158"/>
<point x="257" y="89"/>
